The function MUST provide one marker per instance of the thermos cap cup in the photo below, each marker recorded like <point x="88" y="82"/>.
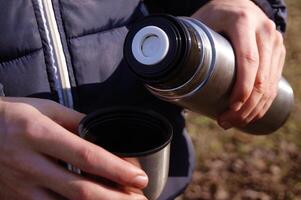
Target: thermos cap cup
<point x="141" y="137"/>
<point x="150" y="45"/>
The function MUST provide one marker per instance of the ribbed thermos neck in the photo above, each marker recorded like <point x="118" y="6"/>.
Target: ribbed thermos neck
<point x="159" y="50"/>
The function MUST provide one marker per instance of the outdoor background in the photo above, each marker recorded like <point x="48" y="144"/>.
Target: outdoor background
<point x="232" y="165"/>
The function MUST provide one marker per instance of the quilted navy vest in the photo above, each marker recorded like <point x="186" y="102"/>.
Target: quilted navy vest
<point x="90" y="34"/>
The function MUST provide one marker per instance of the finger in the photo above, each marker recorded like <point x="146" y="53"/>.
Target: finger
<point x="42" y="194"/>
<point x="73" y="186"/>
<point x="24" y="190"/>
<point x="247" y="63"/>
<point x="54" y="195"/>
<point x="111" y="184"/>
<point x="62" y="115"/>
<point x="274" y="88"/>
<point x="269" y="57"/>
<point x="247" y="60"/>
<point x="277" y="63"/>
<point x="279" y="58"/>
<point x="229" y="119"/>
<point x="242" y="117"/>
<point x="59" y="143"/>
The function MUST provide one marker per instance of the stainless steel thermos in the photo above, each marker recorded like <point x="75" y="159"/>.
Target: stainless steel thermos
<point x="183" y="61"/>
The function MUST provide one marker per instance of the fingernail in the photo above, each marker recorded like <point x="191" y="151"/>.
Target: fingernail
<point x="236" y="106"/>
<point x="225" y="125"/>
<point x="140" y="181"/>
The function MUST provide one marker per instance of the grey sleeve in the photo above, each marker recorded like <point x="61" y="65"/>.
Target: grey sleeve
<point x="276" y="10"/>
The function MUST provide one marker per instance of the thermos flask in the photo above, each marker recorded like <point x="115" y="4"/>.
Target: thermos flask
<point x="183" y="61"/>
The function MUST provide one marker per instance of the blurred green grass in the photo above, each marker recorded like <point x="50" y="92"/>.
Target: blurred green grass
<point x="274" y="160"/>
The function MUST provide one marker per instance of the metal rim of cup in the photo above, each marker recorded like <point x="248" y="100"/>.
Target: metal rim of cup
<point x="133" y="112"/>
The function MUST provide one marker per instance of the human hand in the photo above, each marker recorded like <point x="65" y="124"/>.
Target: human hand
<point x="34" y="134"/>
<point x="260" y="55"/>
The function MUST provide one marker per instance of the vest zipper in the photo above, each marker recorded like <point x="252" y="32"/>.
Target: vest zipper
<point x="58" y="59"/>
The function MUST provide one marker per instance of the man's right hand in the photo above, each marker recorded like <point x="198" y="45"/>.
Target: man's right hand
<point x="34" y="134"/>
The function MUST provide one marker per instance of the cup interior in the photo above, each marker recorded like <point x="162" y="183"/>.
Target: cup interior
<point x="128" y="132"/>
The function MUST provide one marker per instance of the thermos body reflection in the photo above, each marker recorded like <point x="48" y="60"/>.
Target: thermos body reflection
<point x="196" y="69"/>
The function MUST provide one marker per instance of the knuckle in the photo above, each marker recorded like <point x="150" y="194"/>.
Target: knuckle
<point x="279" y="39"/>
<point x="31" y="129"/>
<point x="82" y="193"/>
<point x="269" y="26"/>
<point x="244" y="93"/>
<point x="266" y="96"/>
<point x="123" y="177"/>
<point x="241" y="119"/>
<point x="251" y="58"/>
<point x="260" y="83"/>
<point x="249" y="119"/>
<point x="268" y="93"/>
<point x="86" y="158"/>
<point x="120" y="178"/>
<point x="242" y="14"/>
<point x="260" y="114"/>
<point x="274" y="94"/>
